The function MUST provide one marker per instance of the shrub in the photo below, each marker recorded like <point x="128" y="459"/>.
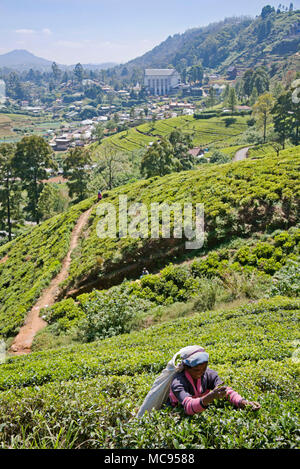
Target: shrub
<point x="207" y="297"/>
<point x="219" y="158"/>
<point x="65" y="313"/>
<point x="286" y="282"/>
<point x="110" y="313"/>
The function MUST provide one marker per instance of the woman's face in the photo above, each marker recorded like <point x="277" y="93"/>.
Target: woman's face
<point x="197" y="371"/>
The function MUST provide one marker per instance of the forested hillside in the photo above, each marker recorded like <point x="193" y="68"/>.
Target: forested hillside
<point x="270" y="39"/>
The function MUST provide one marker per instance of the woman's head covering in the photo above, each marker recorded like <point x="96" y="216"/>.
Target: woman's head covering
<point x="197" y="358"/>
<point x="193" y="355"/>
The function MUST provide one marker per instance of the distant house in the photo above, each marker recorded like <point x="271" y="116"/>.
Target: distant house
<point x="161" y="81"/>
<point x="232" y="73"/>
<point x="196" y="152"/>
<point x="61" y="144"/>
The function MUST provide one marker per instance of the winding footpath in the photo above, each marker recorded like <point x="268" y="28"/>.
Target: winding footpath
<point x="34" y="323"/>
<point x="241" y="154"/>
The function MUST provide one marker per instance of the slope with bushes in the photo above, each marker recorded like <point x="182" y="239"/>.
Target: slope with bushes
<point x="252" y="269"/>
<point x="29" y="263"/>
<point x="239" y="199"/>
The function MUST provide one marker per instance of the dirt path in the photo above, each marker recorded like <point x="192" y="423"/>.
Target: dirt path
<point x="34" y="323"/>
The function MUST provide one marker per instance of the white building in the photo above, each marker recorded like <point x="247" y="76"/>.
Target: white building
<point x="161" y="81"/>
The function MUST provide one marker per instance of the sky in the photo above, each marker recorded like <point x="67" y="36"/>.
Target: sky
<point x="97" y="31"/>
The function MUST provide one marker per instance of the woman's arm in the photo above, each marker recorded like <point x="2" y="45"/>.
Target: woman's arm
<point x="192" y="405"/>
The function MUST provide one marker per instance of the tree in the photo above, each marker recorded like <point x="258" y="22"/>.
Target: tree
<point x="76" y="168"/>
<point x="112" y="165"/>
<point x="52" y="200"/>
<point x="6" y="182"/>
<point x="158" y="160"/>
<point x="262" y="110"/>
<point x="258" y="78"/>
<point x="226" y="93"/>
<point x="32" y="157"/>
<point x="181" y="145"/>
<point x="56" y="72"/>
<point x="261" y="80"/>
<point x="98" y="133"/>
<point x="266" y="11"/>
<point x="196" y="73"/>
<point x="283" y="117"/>
<point x="219" y="158"/>
<point x="212" y="98"/>
<point x="78" y="72"/>
<point x="232" y="99"/>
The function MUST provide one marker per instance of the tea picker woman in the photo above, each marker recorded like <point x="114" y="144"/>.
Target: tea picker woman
<point x="197" y="386"/>
<point x="192" y="384"/>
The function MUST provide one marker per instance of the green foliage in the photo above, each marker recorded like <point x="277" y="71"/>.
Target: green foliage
<point x="32" y="157"/>
<point x="286" y="282"/>
<point x="107" y="314"/>
<point x="66" y="314"/>
<point x="219" y="158"/>
<point x="73" y="169"/>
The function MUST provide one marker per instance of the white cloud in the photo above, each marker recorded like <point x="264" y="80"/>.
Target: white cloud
<point x="45" y="31"/>
<point x="25" y="31"/>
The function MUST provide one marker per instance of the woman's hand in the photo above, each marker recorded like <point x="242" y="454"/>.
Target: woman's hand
<point x="254" y="405"/>
<point x="217" y="393"/>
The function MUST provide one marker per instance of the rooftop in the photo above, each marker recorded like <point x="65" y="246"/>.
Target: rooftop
<point x="160" y="71"/>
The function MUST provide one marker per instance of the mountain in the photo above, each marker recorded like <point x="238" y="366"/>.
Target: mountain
<point x="271" y="38"/>
<point x="21" y="59"/>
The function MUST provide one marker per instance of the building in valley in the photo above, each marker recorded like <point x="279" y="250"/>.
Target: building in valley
<point x="161" y="81"/>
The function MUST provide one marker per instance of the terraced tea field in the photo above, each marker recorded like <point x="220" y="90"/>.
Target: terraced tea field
<point x="205" y="132"/>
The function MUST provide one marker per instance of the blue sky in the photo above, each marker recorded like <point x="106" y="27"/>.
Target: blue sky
<point x="96" y="31"/>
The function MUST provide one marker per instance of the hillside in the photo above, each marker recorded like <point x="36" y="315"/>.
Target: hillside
<point x="240" y="199"/>
<point x="242" y="42"/>
<point x="86" y="396"/>
<point x="216" y="131"/>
